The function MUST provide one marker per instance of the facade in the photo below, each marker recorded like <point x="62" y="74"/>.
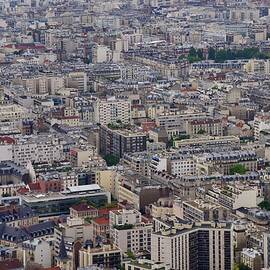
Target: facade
<point x="18" y="216"/>
<point x="107" y="256"/>
<point x="112" y="110"/>
<point x="128" y="232"/>
<point x="207" y="126"/>
<point x="35" y="149"/>
<point x="266" y="250"/>
<point x="208" y="142"/>
<point x="201" y="246"/>
<point x="222" y="162"/>
<point x="181" y="165"/>
<point x="83" y="210"/>
<point x="251" y="258"/>
<point x="119" y="141"/>
<point x="56" y="204"/>
<point x="261" y="122"/>
<point x="142" y="264"/>
<point x="40" y="251"/>
<point x="202" y="211"/>
<point x="134" y="238"/>
<point x="13" y="113"/>
<point x="233" y="197"/>
<point x="106" y="179"/>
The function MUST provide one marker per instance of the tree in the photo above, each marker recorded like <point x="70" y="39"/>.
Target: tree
<point x="241" y="266"/>
<point x="265" y="205"/>
<point x="211" y="54"/>
<point x="131" y="255"/>
<point x="201" y="131"/>
<point x="6" y="195"/>
<point x="238" y="169"/>
<point x="111" y="160"/>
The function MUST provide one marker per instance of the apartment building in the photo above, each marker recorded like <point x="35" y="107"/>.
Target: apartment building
<point x="266" y="250"/>
<point x="233" y="197"/>
<point x="37" y="149"/>
<point x="111" y="111"/>
<point x="77" y="80"/>
<point x="133" y="237"/>
<point x="38" y="250"/>
<point x="101" y="54"/>
<point x="199" y="210"/>
<point x="13" y="113"/>
<point x="252" y="258"/>
<point x="106" y="179"/>
<point x="139" y="191"/>
<point x="261" y="122"/>
<point x="81" y="155"/>
<point x="142" y="264"/>
<point x="138" y="162"/>
<point x="169" y="68"/>
<point x="222" y="162"/>
<point x="124" y="216"/>
<point x="119" y="141"/>
<point x="107" y="256"/>
<point x="257" y="66"/>
<point x="175" y="124"/>
<point x="43" y="85"/>
<point x="207" y="126"/>
<point x="208" y="142"/>
<point x="194" y="246"/>
<point x="181" y="165"/>
<point x="159" y="164"/>
<point x="18" y="216"/>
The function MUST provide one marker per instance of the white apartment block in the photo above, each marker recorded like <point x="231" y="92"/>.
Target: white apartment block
<point x="203" y="244"/>
<point x="34" y="149"/>
<point x="128" y="232"/>
<point x="135" y="238"/>
<point x="124" y="216"/>
<point x="112" y="110"/>
<point x="261" y="122"/>
<point x="101" y="54"/>
<point x="182" y="165"/>
<point x="233" y="197"/>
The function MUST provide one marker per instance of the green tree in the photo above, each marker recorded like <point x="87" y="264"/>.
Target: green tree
<point x="111" y="160"/>
<point x="238" y="169"/>
<point x="201" y="131"/>
<point x="200" y="53"/>
<point x="211" y="54"/>
<point x="6" y="195"/>
<point x="192" y="52"/>
<point x="265" y="205"/>
<point x="131" y="255"/>
<point x="241" y="266"/>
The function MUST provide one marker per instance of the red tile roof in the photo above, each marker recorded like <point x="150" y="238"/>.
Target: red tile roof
<point x="106" y="211"/>
<point x="101" y="221"/>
